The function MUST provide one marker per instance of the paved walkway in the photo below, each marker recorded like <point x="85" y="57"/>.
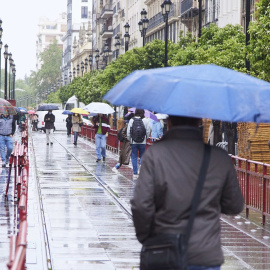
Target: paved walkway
<point x="79" y="214"/>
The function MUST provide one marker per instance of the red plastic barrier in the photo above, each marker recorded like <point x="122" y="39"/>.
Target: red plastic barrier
<point x="12" y="251"/>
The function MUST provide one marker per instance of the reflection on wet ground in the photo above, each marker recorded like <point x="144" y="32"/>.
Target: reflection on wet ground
<point x="87" y="229"/>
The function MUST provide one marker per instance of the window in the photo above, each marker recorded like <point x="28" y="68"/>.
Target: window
<point x="84" y="13"/>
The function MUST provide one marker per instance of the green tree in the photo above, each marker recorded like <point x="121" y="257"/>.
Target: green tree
<point x="50" y="71"/>
<point x="259" y="48"/>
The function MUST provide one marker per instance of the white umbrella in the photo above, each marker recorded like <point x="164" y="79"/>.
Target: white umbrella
<point x="99" y="107"/>
<point x="161" y="116"/>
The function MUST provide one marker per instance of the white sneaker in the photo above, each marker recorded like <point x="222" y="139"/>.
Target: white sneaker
<point x="135" y="176"/>
<point x="115" y="170"/>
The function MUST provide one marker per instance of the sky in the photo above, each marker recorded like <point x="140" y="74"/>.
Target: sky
<point x="20" y="19"/>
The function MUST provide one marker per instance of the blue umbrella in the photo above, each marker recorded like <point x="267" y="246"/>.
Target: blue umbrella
<point x="21" y="110"/>
<point x="67" y="112"/>
<point x="203" y="91"/>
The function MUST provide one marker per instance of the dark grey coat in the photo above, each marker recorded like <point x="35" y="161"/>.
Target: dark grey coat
<point x="164" y="190"/>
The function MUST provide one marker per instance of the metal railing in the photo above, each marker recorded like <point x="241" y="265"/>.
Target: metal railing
<point x="254" y="180"/>
<point x="106" y="8"/>
<point x="187" y="5"/>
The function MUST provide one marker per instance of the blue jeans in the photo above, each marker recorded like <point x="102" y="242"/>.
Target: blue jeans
<point x="134" y="155"/>
<point x="100" y="141"/>
<point x="6" y="141"/>
<point x="75" y="136"/>
<point x="197" y="267"/>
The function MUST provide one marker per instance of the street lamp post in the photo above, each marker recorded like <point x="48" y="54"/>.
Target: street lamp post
<point x="86" y="64"/>
<point x="9" y="75"/>
<point x="6" y="58"/>
<point x="74" y="72"/>
<point x="165" y="10"/>
<point x="143" y="24"/>
<point x="106" y="53"/>
<point x="82" y="67"/>
<point x="14" y="76"/>
<point x="117" y="45"/>
<point x="90" y="61"/>
<point x="126" y="36"/>
<point x="70" y="76"/>
<point x="200" y="19"/>
<point x="247" y="63"/>
<point x="97" y="57"/>
<point x="78" y="69"/>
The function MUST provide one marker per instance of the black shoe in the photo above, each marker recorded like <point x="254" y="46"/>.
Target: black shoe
<point x="104" y="159"/>
<point x="75" y="143"/>
<point x="51" y="143"/>
<point x="98" y="160"/>
<point x="47" y="143"/>
<point x="4" y="165"/>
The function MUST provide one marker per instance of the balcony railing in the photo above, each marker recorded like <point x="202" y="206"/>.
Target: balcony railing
<point x="107" y="10"/>
<point x="158" y="18"/>
<point x="106" y="30"/>
<point x="188" y="5"/>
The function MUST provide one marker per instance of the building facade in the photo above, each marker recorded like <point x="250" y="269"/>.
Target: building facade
<point x="78" y="16"/>
<point x="48" y="31"/>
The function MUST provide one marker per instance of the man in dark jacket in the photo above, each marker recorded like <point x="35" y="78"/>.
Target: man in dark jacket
<point x="49" y="120"/>
<point x="69" y="124"/>
<point x="165" y="187"/>
<point x="7" y="130"/>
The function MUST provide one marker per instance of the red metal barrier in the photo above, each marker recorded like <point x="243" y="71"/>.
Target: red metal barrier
<point x="255" y="185"/>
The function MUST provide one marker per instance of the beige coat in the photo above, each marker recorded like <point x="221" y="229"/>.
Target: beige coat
<point x="75" y="123"/>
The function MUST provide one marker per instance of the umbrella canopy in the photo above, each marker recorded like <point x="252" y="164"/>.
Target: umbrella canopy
<point x="6" y="108"/>
<point x="31" y="112"/>
<point x="147" y="114"/>
<point x="48" y="107"/>
<point x="67" y="112"/>
<point x="161" y="116"/>
<point x="79" y="111"/>
<point x="99" y="107"/>
<point x="203" y="91"/>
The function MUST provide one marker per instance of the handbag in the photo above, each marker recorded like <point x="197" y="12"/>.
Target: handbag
<point x="169" y="251"/>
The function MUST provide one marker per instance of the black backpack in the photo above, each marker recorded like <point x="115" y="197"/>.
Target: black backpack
<point x="120" y="135"/>
<point x="138" y="131"/>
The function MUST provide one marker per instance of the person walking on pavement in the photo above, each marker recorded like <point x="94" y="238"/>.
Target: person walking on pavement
<point x="157" y="129"/>
<point x="138" y="131"/>
<point x="163" y="193"/>
<point x="77" y="122"/>
<point x="69" y="124"/>
<point x="35" y="122"/>
<point x="21" y="121"/>
<point x="7" y="130"/>
<point x="49" y="120"/>
<point x="125" y="150"/>
<point x="102" y="128"/>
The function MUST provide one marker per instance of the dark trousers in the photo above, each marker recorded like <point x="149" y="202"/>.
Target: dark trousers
<point x="69" y="130"/>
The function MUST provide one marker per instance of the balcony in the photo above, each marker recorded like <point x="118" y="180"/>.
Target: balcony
<point x="106" y="31"/>
<point x="158" y="18"/>
<point x="107" y="12"/>
<point x="190" y="7"/>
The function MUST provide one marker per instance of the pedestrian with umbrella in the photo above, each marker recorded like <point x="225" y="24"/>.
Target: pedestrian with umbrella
<point x="77" y="122"/>
<point x="49" y="120"/>
<point x="7" y="130"/>
<point x="185" y="184"/>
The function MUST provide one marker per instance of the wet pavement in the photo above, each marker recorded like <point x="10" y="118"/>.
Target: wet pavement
<point x="79" y="214"/>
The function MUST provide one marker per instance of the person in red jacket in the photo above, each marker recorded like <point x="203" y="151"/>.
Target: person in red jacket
<point x="102" y="128"/>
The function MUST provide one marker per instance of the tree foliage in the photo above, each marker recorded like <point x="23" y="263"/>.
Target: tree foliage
<point x="50" y="71"/>
<point x="259" y="48"/>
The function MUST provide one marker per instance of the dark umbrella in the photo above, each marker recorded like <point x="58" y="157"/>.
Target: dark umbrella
<point x="48" y="107"/>
<point x="6" y="108"/>
<point x="67" y="112"/>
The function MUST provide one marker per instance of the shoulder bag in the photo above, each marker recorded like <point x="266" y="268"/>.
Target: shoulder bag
<point x="169" y="251"/>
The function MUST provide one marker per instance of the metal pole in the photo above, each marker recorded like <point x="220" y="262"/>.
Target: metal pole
<point x="5" y="78"/>
<point x="166" y="41"/>
<point x="14" y="85"/>
<point x="114" y="118"/>
<point x="9" y="85"/>
<point x="143" y="34"/>
<point x="200" y="19"/>
<point x="247" y="33"/>
<point x="0" y="73"/>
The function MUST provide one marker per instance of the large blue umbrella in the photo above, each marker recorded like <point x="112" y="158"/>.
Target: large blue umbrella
<point x="67" y="112"/>
<point x="48" y="107"/>
<point x="203" y="91"/>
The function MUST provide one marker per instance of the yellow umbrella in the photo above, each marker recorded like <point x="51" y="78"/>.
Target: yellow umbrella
<point x="79" y="110"/>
